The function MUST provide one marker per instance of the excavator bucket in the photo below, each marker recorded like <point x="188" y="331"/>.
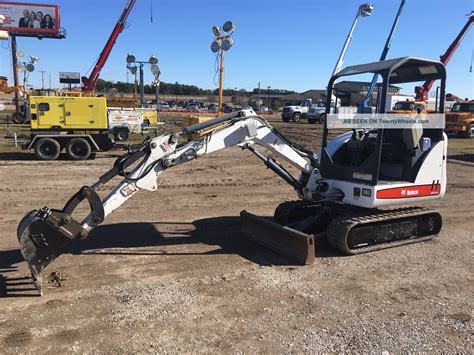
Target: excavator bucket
<point x="283" y="240"/>
<point x="43" y="237"/>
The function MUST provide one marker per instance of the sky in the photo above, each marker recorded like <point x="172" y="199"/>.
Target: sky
<point x="285" y="44"/>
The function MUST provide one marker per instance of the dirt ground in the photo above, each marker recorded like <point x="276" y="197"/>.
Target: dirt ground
<point x="169" y="272"/>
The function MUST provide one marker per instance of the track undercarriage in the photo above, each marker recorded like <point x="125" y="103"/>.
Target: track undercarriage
<point x="356" y="230"/>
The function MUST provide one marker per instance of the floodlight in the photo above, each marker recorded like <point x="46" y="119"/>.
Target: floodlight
<point x="365" y="10"/>
<point x="153" y="60"/>
<point x="30" y="67"/>
<point x="133" y="70"/>
<point x="20" y="54"/>
<point x="34" y="59"/>
<point x="130" y="58"/>
<point x="228" y="27"/>
<point x="216" y="30"/>
<point x="215" y="46"/>
<point x="155" y="69"/>
<point x="227" y="43"/>
<point x="21" y="68"/>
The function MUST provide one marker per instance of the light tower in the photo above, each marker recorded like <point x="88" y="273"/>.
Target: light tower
<point x="221" y="44"/>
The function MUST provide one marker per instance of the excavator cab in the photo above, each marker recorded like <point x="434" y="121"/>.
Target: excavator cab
<point x="378" y="157"/>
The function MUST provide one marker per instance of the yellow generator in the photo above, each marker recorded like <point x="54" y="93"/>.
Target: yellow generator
<point x="79" y="125"/>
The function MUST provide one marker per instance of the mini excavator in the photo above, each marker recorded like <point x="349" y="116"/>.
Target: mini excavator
<point x="344" y="192"/>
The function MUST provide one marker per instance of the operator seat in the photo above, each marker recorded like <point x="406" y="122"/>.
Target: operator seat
<point x="412" y="137"/>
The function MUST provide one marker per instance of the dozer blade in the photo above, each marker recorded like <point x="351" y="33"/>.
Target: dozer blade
<point x="281" y="239"/>
<point x="43" y="236"/>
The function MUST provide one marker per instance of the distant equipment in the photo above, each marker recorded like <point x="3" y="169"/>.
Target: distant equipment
<point x="226" y="44"/>
<point x="153" y="60"/>
<point x="215" y="46"/>
<point x="216" y="30"/>
<point x="34" y="59"/>
<point x="155" y="69"/>
<point x="89" y="83"/>
<point x="221" y="44"/>
<point x="229" y="27"/>
<point x="421" y="92"/>
<point x="364" y="106"/>
<point x="69" y="78"/>
<point x="364" y="10"/>
<point x="130" y="58"/>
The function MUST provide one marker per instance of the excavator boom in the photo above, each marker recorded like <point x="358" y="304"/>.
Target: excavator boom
<point x="46" y="233"/>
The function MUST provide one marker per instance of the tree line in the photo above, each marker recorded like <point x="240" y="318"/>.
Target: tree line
<point x="182" y="89"/>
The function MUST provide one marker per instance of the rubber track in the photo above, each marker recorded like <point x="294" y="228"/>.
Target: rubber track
<point x="339" y="228"/>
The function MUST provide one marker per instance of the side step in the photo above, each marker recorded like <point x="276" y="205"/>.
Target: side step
<point x="284" y="240"/>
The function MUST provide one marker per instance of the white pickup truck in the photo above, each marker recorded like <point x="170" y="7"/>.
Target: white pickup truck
<point x="296" y="112"/>
<point x="317" y="113"/>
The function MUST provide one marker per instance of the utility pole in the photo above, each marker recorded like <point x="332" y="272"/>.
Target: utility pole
<point x="42" y="78"/>
<point x="268" y="96"/>
<point x="50" y="81"/>
<point x="15" y="73"/>
<point x="258" y="97"/>
<point x="142" y="87"/>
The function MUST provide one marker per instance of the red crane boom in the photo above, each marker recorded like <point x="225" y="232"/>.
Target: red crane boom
<point x="89" y="83"/>
<point x="421" y="92"/>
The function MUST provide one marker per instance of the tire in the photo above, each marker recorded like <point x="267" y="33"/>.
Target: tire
<point x="78" y="149"/>
<point x="18" y="118"/>
<point x="47" y="149"/>
<point x="312" y="121"/>
<point x="121" y="135"/>
<point x="470" y="131"/>
<point x="296" y="117"/>
<point x="322" y="118"/>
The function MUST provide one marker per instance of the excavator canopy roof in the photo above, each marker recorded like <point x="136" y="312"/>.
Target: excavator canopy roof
<point x="399" y="70"/>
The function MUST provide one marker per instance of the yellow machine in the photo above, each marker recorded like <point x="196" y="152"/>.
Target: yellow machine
<point x="64" y="112"/>
<point x="461" y="119"/>
<point x="79" y="125"/>
<point x="8" y="89"/>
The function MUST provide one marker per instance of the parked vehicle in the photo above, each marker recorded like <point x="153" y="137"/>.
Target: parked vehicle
<point x="164" y="106"/>
<point x="317" y="113"/>
<point x="193" y="106"/>
<point x="461" y="119"/>
<point x="296" y="112"/>
<point x="212" y="107"/>
<point x="227" y="108"/>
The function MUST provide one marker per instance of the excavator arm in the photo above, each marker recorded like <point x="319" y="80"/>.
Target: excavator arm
<point x="46" y="233"/>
